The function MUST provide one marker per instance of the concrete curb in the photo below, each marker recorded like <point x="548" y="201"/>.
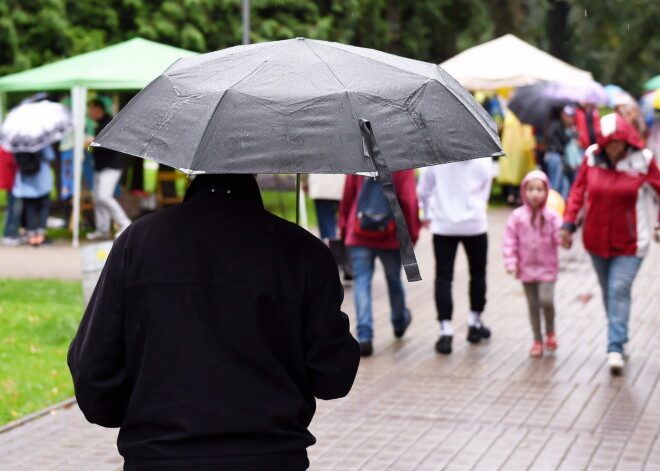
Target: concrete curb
<point x="35" y="415"/>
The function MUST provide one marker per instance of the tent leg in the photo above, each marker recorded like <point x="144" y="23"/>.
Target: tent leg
<point x="3" y="103"/>
<point x="78" y="105"/>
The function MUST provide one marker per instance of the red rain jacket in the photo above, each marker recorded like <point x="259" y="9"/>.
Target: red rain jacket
<point x="618" y="200"/>
<point x="8" y="169"/>
<point x="406" y="192"/>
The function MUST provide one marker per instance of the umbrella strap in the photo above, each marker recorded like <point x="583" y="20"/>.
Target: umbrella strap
<point x="405" y="244"/>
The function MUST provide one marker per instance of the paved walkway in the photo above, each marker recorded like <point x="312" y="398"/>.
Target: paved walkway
<point x="483" y="407"/>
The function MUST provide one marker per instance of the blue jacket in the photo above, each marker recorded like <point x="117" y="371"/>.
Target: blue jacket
<point x="39" y="184"/>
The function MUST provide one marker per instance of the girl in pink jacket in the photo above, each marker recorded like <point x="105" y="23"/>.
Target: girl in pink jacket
<point x="531" y="244"/>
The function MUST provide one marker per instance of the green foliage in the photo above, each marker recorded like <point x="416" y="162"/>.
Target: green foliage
<point x="283" y="204"/>
<point x="38" y="319"/>
<point x="615" y="39"/>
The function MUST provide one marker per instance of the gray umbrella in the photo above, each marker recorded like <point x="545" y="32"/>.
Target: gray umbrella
<point x="303" y="106"/>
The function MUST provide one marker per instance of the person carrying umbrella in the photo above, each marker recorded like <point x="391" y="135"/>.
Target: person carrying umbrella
<point x="213" y="328"/>
<point x="33" y="184"/>
<point x="216" y="324"/>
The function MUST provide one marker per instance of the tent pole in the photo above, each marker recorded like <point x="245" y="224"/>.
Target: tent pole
<point x="246" y="21"/>
<point x="78" y="105"/>
<point x="3" y="103"/>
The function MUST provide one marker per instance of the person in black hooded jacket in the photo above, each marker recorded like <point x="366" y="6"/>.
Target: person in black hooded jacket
<point x="213" y="327"/>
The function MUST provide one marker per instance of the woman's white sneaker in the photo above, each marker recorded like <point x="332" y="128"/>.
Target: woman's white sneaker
<point x="615" y="362"/>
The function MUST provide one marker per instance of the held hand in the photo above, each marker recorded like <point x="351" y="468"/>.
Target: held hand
<point x="426" y="223"/>
<point x="566" y="238"/>
<point x="656" y="234"/>
<point x="513" y="272"/>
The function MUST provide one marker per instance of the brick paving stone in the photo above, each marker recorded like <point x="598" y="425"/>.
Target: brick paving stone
<point x="484" y="407"/>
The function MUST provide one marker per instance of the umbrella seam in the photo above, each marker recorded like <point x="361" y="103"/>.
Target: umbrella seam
<point x="229" y="87"/>
<point x="204" y="140"/>
<point x="475" y="115"/>
<point x="326" y="65"/>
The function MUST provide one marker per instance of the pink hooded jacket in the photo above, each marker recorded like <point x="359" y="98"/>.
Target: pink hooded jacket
<point x="530" y="249"/>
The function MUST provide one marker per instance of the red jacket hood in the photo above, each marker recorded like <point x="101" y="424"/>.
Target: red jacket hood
<point x="613" y="127"/>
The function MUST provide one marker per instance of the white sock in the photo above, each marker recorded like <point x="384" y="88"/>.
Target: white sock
<point x="474" y="319"/>
<point x="446" y="328"/>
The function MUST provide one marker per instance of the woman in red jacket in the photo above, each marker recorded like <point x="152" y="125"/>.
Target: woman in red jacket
<point x="617" y="178"/>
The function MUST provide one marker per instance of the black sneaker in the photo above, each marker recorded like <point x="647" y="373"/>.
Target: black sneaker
<point x="443" y="345"/>
<point x="475" y="334"/>
<point x="398" y="333"/>
<point x="366" y="349"/>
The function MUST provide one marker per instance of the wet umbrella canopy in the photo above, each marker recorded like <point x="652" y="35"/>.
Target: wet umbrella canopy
<point x="295" y="106"/>
<point x="531" y="106"/>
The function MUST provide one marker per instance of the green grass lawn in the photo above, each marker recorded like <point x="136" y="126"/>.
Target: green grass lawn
<point x="38" y="319"/>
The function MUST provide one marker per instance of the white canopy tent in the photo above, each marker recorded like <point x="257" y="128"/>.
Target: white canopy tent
<point x="509" y="62"/>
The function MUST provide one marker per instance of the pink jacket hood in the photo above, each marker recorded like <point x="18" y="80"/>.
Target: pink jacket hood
<point x="534" y="174"/>
<point x="531" y="249"/>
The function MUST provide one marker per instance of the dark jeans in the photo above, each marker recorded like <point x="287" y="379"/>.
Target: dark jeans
<point x="36" y="214"/>
<point x="444" y="247"/>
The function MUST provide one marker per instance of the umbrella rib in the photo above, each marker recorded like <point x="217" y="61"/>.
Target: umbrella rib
<point x="206" y="128"/>
<point x="326" y="65"/>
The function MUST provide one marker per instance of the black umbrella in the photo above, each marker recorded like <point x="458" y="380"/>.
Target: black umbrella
<point x="304" y="106"/>
<point x="531" y="106"/>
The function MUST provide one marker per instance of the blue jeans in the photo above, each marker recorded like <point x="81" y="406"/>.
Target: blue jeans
<point x="555" y="166"/>
<point x="326" y="215"/>
<point x="363" y="259"/>
<point x="615" y="276"/>
<point x="13" y="216"/>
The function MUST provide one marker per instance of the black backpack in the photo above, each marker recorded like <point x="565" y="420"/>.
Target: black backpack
<point x="28" y="162"/>
<point x="374" y="215"/>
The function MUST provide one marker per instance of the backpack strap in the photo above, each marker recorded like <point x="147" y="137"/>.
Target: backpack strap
<point x="403" y="235"/>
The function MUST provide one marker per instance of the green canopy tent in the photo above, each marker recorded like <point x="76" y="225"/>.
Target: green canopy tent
<point x="130" y="65"/>
<point x="653" y="83"/>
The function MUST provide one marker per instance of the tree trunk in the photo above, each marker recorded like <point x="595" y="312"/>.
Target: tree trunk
<point x="556" y="27"/>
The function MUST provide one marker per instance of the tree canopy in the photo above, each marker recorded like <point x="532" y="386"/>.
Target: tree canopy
<point x="613" y="39"/>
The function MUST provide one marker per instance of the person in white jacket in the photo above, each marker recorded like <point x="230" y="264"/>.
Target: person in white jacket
<point x="454" y="198"/>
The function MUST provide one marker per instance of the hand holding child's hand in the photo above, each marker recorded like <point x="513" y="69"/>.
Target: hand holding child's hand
<point x="566" y="238"/>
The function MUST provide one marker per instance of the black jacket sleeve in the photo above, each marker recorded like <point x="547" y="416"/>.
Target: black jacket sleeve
<point x="96" y="356"/>
<point x="332" y="355"/>
<point x="557" y="138"/>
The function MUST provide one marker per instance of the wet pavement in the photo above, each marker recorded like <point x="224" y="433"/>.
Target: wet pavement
<point x="486" y="406"/>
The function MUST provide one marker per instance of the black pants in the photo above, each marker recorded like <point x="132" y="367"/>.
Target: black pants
<point x="444" y="247"/>
<point x="36" y="214"/>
